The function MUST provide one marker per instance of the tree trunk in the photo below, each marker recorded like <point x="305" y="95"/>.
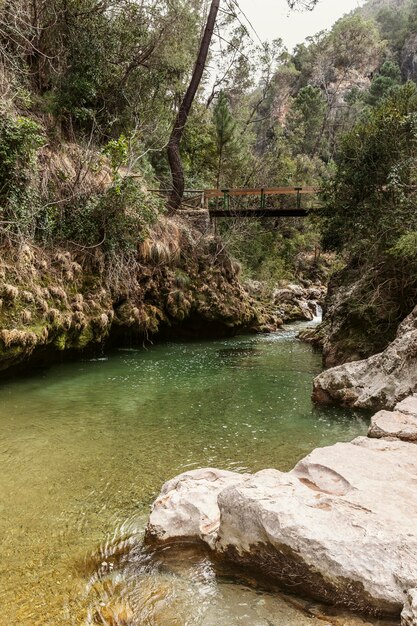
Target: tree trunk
<point x="174" y="157"/>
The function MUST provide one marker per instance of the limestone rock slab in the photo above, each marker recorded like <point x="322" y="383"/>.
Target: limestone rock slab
<point x="394" y="424"/>
<point x="409" y="614"/>
<point x="408" y="405"/>
<point x="341" y="527"/>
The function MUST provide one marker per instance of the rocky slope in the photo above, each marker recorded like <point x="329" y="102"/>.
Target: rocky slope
<point x="378" y="382"/>
<point x="341" y="527"/>
<point x="351" y="330"/>
<point x="62" y="300"/>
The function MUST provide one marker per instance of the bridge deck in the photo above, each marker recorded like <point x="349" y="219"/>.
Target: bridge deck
<point x="273" y="212"/>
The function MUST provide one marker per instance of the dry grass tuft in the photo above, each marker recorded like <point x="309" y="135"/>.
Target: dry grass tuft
<point x="18" y="338"/>
<point x="26" y="316"/>
<point x="163" y="245"/>
<point x="9" y="293"/>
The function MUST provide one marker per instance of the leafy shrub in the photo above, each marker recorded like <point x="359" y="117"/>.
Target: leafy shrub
<point x="117" y="219"/>
<point x="20" y="139"/>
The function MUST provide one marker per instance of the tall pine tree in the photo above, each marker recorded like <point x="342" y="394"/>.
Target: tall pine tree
<point x="225" y="130"/>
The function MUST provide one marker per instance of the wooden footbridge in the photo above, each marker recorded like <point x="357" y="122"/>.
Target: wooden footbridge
<point x="244" y="203"/>
<point x="275" y="202"/>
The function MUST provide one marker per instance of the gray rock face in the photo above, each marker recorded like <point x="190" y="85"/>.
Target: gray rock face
<point x="408" y="406"/>
<point x="340" y="527"/>
<point x="378" y="382"/>
<point x="409" y="58"/>
<point x="398" y="424"/>
<point x="347" y="333"/>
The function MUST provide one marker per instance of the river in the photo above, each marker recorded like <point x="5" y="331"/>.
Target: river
<point x="86" y="446"/>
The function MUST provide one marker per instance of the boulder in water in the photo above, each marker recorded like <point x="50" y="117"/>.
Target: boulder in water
<point x="378" y="382"/>
<point x="187" y="509"/>
<point x="341" y="527"/>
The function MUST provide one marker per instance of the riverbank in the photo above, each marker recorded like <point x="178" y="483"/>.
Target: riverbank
<point x="378" y="382"/>
<point x="58" y="302"/>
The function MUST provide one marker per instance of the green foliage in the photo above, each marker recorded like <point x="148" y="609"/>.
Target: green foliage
<point x="392" y="24"/>
<point x="369" y="212"/>
<point x="275" y="247"/>
<point x="305" y="125"/>
<point x="412" y="17"/>
<point x="20" y="140"/>
<point x="388" y="77"/>
<point x="225" y="126"/>
<point x="102" y="65"/>
<point x="224" y="122"/>
<point x="406" y="246"/>
<point x="354" y="41"/>
<point x="116" y="220"/>
<point x="117" y="150"/>
<point x="370" y="202"/>
<point x="198" y="149"/>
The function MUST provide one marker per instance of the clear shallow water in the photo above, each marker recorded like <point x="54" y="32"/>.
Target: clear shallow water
<point x="85" y="447"/>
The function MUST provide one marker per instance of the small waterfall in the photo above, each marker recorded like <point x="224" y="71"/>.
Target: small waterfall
<point x="317" y="319"/>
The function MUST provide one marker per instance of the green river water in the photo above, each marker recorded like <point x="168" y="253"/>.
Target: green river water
<point x="86" y="446"/>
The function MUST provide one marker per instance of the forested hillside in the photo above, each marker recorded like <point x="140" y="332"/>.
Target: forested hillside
<point x="90" y="89"/>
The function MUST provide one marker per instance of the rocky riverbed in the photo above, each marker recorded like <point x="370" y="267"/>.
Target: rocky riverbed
<point x="291" y="302"/>
<point x="341" y="527"/>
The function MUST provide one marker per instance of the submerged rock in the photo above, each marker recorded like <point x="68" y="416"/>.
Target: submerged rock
<point x="378" y="382"/>
<point x="340" y="527"/>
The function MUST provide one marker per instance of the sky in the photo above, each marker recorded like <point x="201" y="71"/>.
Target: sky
<point x="272" y="19"/>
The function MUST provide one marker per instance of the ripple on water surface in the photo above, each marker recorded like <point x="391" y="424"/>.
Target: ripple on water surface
<point x="85" y="447"/>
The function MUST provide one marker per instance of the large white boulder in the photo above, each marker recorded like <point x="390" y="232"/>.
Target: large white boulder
<point x="378" y="382"/>
<point x="340" y="527"/>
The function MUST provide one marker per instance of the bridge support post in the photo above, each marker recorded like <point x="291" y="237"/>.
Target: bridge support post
<point x="263" y="199"/>
<point x="298" y="190"/>
<point x="226" y="199"/>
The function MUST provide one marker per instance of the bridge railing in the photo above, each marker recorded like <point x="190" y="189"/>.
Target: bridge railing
<point x="259" y="199"/>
